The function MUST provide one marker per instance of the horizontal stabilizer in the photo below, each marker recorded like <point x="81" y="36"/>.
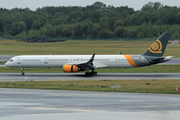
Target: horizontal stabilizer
<point x="158" y="59"/>
<point x="162" y="59"/>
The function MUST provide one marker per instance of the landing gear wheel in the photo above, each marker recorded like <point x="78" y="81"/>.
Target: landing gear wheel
<point x="90" y="73"/>
<point x="95" y="73"/>
<point x="87" y="73"/>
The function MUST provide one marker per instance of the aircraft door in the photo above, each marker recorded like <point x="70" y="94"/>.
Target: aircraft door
<point x="80" y="59"/>
<point x="116" y="60"/>
<point x="18" y="60"/>
<point x="46" y="60"/>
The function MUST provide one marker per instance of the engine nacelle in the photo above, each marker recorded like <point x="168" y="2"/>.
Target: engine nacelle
<point x="70" y="68"/>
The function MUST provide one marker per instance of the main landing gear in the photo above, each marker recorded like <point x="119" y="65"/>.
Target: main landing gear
<point x="93" y="73"/>
<point x="22" y="73"/>
<point x="90" y="73"/>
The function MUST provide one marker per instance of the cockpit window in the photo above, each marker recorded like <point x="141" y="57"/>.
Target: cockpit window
<point x="11" y="60"/>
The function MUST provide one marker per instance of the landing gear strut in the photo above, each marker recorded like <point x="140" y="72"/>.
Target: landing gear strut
<point x="90" y="66"/>
<point x="91" y="73"/>
<point x="22" y="73"/>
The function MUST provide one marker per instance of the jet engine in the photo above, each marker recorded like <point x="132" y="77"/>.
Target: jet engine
<point x="71" y="68"/>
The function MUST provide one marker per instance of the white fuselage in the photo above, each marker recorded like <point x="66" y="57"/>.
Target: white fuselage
<point x="58" y="61"/>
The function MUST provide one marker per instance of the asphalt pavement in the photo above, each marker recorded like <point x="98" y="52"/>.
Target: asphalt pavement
<point x="6" y="57"/>
<point x="81" y="76"/>
<point x="31" y="104"/>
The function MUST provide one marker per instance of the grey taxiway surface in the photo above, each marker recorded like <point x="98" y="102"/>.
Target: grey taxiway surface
<point x="5" y="57"/>
<point x="81" y="76"/>
<point x="30" y="104"/>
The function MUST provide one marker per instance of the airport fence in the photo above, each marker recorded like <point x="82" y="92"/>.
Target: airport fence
<point x="60" y="39"/>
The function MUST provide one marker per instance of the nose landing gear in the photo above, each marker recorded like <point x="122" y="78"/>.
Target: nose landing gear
<point x="22" y="73"/>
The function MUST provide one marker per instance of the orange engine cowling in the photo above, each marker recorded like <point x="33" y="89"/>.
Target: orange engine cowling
<point x="70" y="68"/>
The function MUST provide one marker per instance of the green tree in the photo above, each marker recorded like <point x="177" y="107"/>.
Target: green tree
<point x="124" y="14"/>
<point x="140" y="34"/>
<point x="63" y="31"/>
<point x="36" y="25"/>
<point x="77" y="30"/>
<point x="105" y="33"/>
<point x="1" y="26"/>
<point x="176" y="35"/>
<point x="47" y="31"/>
<point x="34" y="33"/>
<point x="119" y="31"/>
<point x="131" y="33"/>
<point x="99" y="5"/>
<point x="95" y="30"/>
<point x="93" y="20"/>
<point x="18" y="27"/>
<point x="119" y="23"/>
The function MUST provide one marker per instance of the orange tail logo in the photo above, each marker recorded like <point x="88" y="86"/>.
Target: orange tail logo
<point x="156" y="47"/>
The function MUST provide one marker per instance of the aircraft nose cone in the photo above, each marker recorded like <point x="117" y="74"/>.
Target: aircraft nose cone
<point x="6" y="64"/>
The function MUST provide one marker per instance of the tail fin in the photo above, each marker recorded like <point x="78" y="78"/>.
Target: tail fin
<point x="159" y="46"/>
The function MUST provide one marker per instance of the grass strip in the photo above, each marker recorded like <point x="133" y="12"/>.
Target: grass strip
<point x="75" y="47"/>
<point x="136" y="86"/>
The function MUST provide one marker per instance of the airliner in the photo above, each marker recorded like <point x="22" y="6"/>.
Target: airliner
<point x="88" y="63"/>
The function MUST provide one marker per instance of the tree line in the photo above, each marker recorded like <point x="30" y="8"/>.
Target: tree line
<point x="96" y="20"/>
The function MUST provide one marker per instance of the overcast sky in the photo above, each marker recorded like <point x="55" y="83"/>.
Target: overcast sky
<point x="33" y="4"/>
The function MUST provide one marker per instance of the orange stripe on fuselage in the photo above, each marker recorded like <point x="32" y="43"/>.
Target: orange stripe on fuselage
<point x="130" y="60"/>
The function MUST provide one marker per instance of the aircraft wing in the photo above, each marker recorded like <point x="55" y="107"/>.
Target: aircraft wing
<point x="90" y="64"/>
<point x="85" y="63"/>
